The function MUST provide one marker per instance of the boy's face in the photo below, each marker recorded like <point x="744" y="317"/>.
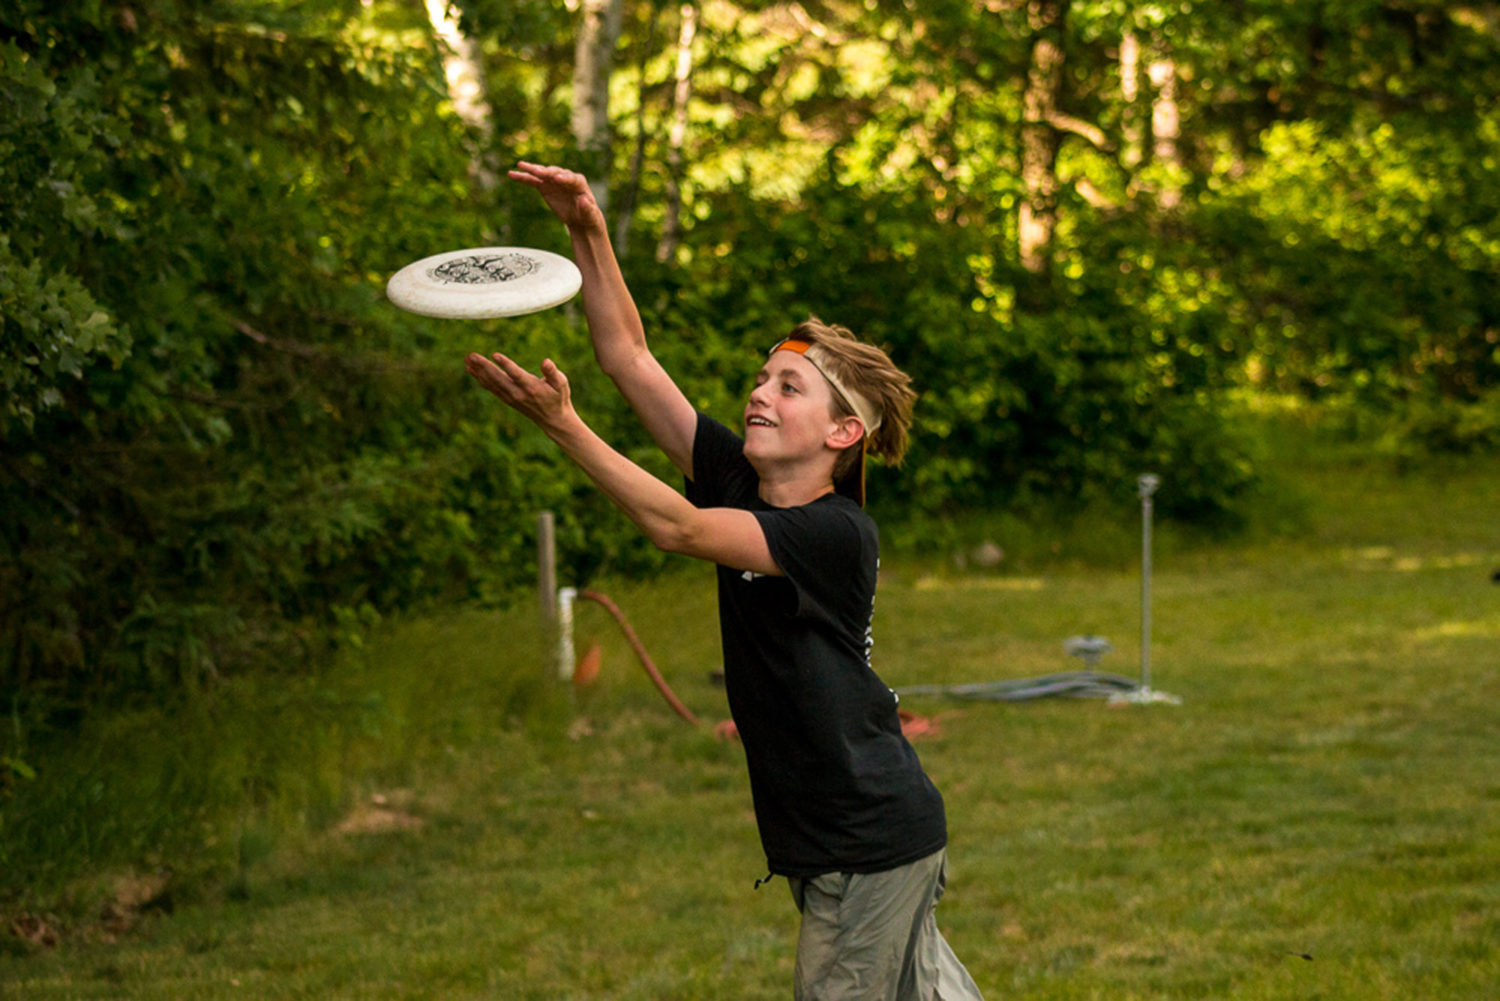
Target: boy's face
<point x="789" y="417"/>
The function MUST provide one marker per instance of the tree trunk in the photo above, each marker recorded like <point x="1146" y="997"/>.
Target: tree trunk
<point x="1130" y="92"/>
<point x="671" y="230"/>
<point x="1165" y="129"/>
<point x="464" y="70"/>
<point x="1039" y="138"/>
<point x="593" y="62"/>
<point x="625" y="209"/>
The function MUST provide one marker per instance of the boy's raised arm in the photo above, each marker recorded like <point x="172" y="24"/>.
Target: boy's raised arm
<point x="614" y="322"/>
<point x="672" y="523"/>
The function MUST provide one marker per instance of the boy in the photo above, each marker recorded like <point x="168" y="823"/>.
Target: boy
<point x="844" y="809"/>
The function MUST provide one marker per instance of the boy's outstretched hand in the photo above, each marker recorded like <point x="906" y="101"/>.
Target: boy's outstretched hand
<point x="566" y="192"/>
<point x="545" y="400"/>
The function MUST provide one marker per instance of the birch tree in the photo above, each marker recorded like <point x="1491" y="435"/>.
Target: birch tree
<point x="671" y="231"/>
<point x="1130" y="90"/>
<point x="593" y="64"/>
<point x="1165" y="128"/>
<point x="463" y="68"/>
<point x="625" y="205"/>
<point x="1039" y="137"/>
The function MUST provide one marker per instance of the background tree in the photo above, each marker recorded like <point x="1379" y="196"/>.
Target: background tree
<point x="593" y="64"/>
<point x="682" y="95"/>
<point x="463" y="67"/>
<point x="1082" y="225"/>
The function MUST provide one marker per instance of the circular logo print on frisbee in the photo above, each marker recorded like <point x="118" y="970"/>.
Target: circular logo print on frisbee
<point x="484" y="282"/>
<point x="484" y="269"/>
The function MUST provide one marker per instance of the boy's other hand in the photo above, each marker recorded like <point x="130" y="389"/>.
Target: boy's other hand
<point x="566" y="193"/>
<point x="547" y="401"/>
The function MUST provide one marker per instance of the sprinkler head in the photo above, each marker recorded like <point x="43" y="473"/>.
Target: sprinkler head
<point x="1087" y="648"/>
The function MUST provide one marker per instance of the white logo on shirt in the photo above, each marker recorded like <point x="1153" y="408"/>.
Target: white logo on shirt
<point x="750" y="575"/>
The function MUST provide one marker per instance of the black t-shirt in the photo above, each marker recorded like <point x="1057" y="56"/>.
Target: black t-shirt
<point x="837" y="787"/>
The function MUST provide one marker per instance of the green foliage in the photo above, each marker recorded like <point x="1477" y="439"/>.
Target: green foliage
<point x="222" y="448"/>
<point x="1364" y="263"/>
<point x="52" y="326"/>
<point x="1453" y="427"/>
<point x="1060" y="403"/>
<point x="52" y="140"/>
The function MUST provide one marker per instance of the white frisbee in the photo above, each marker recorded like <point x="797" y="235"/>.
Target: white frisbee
<point x="484" y="282"/>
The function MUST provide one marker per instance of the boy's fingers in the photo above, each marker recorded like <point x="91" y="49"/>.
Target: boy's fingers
<point x="528" y="384"/>
<point x="506" y="379"/>
<point x="495" y="382"/>
<point x="534" y="175"/>
<point x="510" y="368"/>
<point x="542" y="171"/>
<point x="481" y="368"/>
<point x="554" y="375"/>
<point x="555" y="175"/>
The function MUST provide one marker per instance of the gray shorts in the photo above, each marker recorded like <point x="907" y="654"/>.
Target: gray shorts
<point x="873" y="937"/>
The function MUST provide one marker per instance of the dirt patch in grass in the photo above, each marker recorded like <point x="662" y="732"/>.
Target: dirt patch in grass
<point x="381" y="814"/>
<point x="125" y="901"/>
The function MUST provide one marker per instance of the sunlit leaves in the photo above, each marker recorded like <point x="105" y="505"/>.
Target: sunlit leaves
<point x="219" y="434"/>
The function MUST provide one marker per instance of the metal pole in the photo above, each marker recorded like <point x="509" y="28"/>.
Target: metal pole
<point x="564" y="649"/>
<point x="546" y="582"/>
<point x="1146" y="486"/>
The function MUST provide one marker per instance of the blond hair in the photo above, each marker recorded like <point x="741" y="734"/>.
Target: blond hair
<point x="868" y="371"/>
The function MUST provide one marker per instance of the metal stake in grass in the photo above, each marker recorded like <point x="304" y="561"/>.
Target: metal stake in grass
<point x="1145" y="487"/>
<point x="554" y="605"/>
<point x="566" y="658"/>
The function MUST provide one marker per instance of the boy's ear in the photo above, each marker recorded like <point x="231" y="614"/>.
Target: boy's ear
<point x="848" y="432"/>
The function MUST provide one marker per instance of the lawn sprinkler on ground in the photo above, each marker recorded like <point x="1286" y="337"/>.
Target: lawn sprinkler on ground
<point x="1087" y="649"/>
<point x="1090" y="682"/>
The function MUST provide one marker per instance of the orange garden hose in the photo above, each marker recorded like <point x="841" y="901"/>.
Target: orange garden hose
<point x="913" y="726"/>
<point x="640" y="651"/>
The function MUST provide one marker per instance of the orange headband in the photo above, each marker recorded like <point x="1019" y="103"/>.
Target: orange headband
<point x="867" y="414"/>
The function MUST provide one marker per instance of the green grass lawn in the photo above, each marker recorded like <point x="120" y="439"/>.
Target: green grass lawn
<point x="1319" y="818"/>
